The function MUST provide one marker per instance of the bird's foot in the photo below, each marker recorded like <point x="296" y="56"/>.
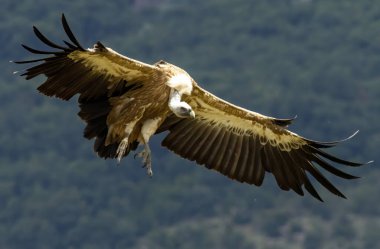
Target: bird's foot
<point x="121" y="149"/>
<point x="147" y="161"/>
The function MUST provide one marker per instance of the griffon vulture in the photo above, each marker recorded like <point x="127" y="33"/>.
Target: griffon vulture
<point x="124" y="102"/>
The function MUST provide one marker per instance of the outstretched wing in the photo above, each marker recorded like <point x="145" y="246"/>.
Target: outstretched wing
<point x="71" y="69"/>
<point x="243" y="145"/>
<point x="96" y="74"/>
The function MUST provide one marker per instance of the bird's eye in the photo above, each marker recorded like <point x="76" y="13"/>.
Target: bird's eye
<point x="183" y="109"/>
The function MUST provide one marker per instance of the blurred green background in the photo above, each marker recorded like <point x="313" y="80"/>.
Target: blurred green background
<point x="318" y="59"/>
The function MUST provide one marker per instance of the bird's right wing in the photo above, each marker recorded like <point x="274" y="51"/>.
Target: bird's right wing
<point x="100" y="76"/>
<point x="89" y="72"/>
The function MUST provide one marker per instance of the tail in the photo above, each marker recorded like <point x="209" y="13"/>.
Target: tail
<point x="94" y="112"/>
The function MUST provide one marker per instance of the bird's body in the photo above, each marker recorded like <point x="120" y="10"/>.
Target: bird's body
<point x="124" y="102"/>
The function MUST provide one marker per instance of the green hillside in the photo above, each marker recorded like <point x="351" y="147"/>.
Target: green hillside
<point x="317" y="59"/>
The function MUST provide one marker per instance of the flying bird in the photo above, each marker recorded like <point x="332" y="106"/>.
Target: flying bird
<point x="125" y="102"/>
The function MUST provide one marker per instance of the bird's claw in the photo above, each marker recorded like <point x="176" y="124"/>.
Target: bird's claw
<point x="147" y="162"/>
<point x="121" y="149"/>
<point x="149" y="172"/>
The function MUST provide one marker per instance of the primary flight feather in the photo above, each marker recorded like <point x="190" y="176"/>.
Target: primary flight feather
<point x="124" y="102"/>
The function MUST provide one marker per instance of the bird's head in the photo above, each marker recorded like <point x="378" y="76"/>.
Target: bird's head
<point x="183" y="110"/>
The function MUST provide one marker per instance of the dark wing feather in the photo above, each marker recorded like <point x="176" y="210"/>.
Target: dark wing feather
<point x="95" y="74"/>
<point x="46" y="40"/>
<point x="70" y="34"/>
<point x="243" y="145"/>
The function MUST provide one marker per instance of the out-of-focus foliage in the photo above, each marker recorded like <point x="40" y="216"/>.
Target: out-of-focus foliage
<point x="319" y="60"/>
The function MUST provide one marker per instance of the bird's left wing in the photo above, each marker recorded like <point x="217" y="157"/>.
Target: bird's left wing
<point x="92" y="73"/>
<point x="243" y="145"/>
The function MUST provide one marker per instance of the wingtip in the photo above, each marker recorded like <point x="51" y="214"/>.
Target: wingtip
<point x="353" y="135"/>
<point x="64" y="19"/>
<point x="323" y="144"/>
<point x="26" y="47"/>
<point x="349" y="137"/>
<point x="338" y="193"/>
<point x="36" y="31"/>
<point x="319" y="198"/>
<point x="70" y="34"/>
<point x="363" y="164"/>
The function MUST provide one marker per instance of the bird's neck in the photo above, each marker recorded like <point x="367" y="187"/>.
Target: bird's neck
<point x="174" y="99"/>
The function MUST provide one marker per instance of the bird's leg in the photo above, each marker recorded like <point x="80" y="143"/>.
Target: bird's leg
<point x="148" y="128"/>
<point x="145" y="154"/>
<point x="122" y="148"/>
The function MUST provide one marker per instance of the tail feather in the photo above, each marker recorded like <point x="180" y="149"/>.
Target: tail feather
<point x="94" y="113"/>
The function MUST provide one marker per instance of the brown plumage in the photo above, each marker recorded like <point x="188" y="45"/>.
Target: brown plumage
<point x="124" y="102"/>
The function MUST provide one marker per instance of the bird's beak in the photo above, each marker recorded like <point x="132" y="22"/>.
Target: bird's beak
<point x="192" y="114"/>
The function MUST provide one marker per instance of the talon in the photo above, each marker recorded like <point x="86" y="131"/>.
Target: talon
<point x="148" y="166"/>
<point x="145" y="154"/>
<point x="147" y="161"/>
<point x="150" y="172"/>
<point x="121" y="149"/>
